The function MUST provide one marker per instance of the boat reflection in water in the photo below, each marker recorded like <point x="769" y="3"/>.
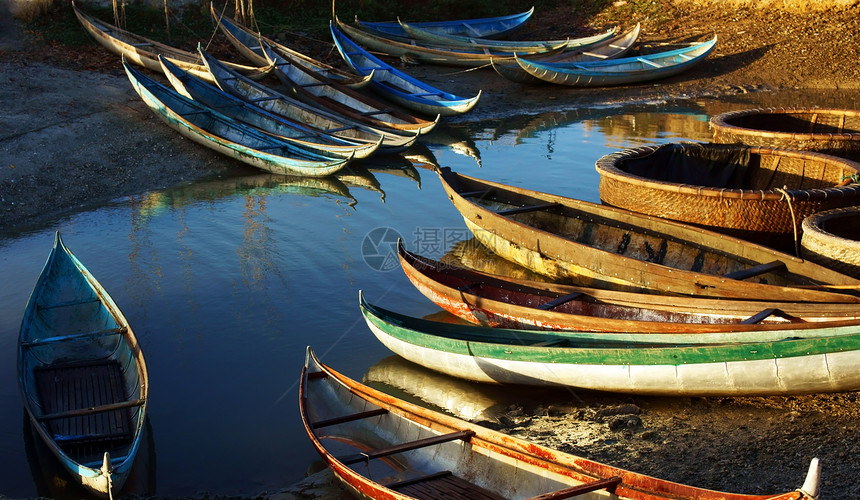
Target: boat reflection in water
<point x="52" y="480"/>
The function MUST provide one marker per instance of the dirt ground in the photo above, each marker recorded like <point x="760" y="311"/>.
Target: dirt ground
<point x="73" y="134"/>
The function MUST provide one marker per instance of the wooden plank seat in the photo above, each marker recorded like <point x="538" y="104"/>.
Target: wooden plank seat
<point x="756" y="270"/>
<point x="349" y="418"/>
<point x="530" y="208"/>
<point x="608" y="484"/>
<point x="442" y="486"/>
<point x="75" y="336"/>
<point x="68" y="392"/>
<point x="564" y="299"/>
<point x="766" y="313"/>
<point x="402" y="447"/>
<point x="480" y="193"/>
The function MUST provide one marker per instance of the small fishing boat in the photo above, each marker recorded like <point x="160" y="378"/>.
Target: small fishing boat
<point x="396" y="85"/>
<point x="380" y="446"/>
<point x="605" y="247"/>
<point x="291" y="131"/>
<point x="828" y="131"/>
<point x="414" y="52"/>
<point x="81" y="374"/>
<point x="497" y="301"/>
<point x="519" y="46"/>
<point x="611" y="48"/>
<point x="779" y="365"/>
<point x="755" y="193"/>
<point x="236" y="32"/>
<point x="832" y="238"/>
<point x="144" y="52"/>
<point x="206" y="126"/>
<point x="487" y="27"/>
<point x="288" y="107"/>
<point x="623" y="71"/>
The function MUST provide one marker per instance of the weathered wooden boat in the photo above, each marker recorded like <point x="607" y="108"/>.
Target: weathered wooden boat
<point x="236" y="32"/>
<point x="623" y="71"/>
<point x="312" y="116"/>
<point x="606" y="247"/>
<point x="519" y="46"/>
<point x="487" y="27"/>
<point x="494" y="301"/>
<point x="318" y="90"/>
<point x="209" y="128"/>
<point x="832" y="238"/>
<point x="829" y="131"/>
<point x="755" y="193"/>
<point x="782" y="366"/>
<point x="144" y="52"/>
<point x="82" y="375"/>
<point x="291" y="131"/>
<point x="380" y="446"/>
<point x="396" y="85"/>
<point x="414" y="52"/>
<point x="612" y="48"/>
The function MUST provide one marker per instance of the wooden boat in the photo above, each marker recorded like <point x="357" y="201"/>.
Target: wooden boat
<point x="318" y="90"/>
<point x="606" y="247"/>
<point x="220" y="133"/>
<point x="832" y="238"/>
<point x="496" y="301"/>
<point x="81" y="374"/>
<point x="236" y="32"/>
<point x="755" y="193"/>
<point x="488" y="27"/>
<point x="519" y="46"/>
<point x="622" y="71"/>
<point x="396" y="85"/>
<point x="784" y="365"/>
<point x="418" y="53"/>
<point x="313" y="117"/>
<point x="828" y="131"/>
<point x="612" y="48"/>
<point x="144" y="52"/>
<point x="255" y="116"/>
<point x="380" y="446"/>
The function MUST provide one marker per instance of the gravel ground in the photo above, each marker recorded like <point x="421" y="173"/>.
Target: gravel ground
<point x="74" y="135"/>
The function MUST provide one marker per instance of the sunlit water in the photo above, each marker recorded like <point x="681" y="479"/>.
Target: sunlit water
<point x="226" y="281"/>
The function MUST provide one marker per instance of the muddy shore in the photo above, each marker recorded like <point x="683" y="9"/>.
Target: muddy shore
<point x="74" y="135"/>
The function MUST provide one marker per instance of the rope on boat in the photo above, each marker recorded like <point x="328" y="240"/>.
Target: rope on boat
<point x="787" y="197"/>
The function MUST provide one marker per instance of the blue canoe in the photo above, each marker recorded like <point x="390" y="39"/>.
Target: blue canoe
<point x="397" y="86"/>
<point x="216" y="131"/>
<point x="81" y="374"/>
<point x="487" y="27"/>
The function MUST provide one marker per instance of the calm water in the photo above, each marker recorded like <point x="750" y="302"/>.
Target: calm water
<point x="226" y="281"/>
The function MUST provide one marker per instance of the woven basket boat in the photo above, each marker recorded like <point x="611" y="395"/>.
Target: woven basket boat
<point x="832" y="238"/>
<point x="758" y="194"/>
<point x="829" y="131"/>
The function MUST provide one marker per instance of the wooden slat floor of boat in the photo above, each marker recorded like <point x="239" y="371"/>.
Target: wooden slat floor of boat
<point x="73" y="387"/>
<point x="444" y="487"/>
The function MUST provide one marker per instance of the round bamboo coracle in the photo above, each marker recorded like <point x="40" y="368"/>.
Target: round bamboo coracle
<point x="829" y="131"/>
<point x="832" y="238"/>
<point x="759" y="194"/>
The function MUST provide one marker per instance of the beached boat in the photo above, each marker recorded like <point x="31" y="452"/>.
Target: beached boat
<point x="623" y="71"/>
<point x="255" y="116"/>
<point x="519" y="46"/>
<point x="755" y="193"/>
<point x="396" y="85"/>
<point x="832" y="238"/>
<point x="144" y="52"/>
<point x="829" y="131"/>
<point x="288" y="107"/>
<point x="606" y="247"/>
<point x="487" y="27"/>
<point x="236" y="32"/>
<point x="206" y="126"/>
<point x="780" y="365"/>
<point x="81" y="374"/>
<point x="380" y="446"/>
<point x="611" y="48"/>
<point x="497" y="301"/>
<point x="413" y="52"/>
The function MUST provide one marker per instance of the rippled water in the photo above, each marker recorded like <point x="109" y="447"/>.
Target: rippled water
<point x="226" y="281"/>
